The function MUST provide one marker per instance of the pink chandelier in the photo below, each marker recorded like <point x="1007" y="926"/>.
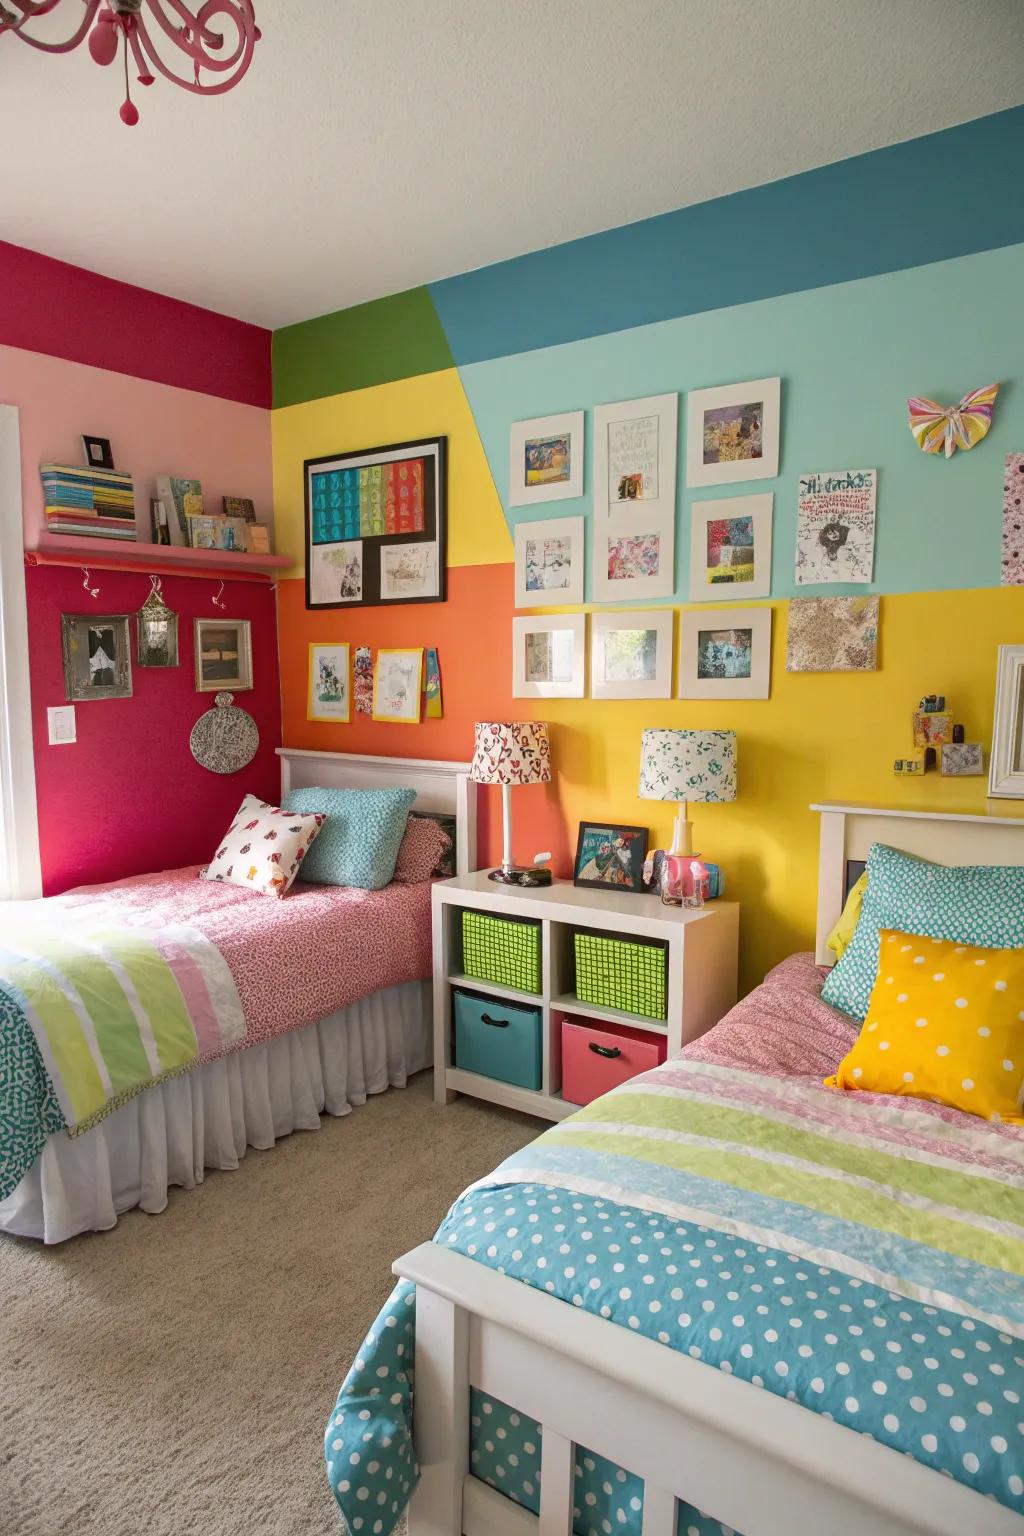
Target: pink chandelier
<point x="110" y="24"/>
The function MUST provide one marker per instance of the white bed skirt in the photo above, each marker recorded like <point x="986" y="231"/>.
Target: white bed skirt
<point x="205" y="1119"/>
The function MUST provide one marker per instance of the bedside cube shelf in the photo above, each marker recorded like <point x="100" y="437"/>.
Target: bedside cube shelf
<point x="699" y="950"/>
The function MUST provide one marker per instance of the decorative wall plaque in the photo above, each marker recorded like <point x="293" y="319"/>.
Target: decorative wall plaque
<point x="226" y="738"/>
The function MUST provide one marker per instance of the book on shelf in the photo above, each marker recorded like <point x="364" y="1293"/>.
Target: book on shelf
<point x="183" y="498"/>
<point x="97" y="503"/>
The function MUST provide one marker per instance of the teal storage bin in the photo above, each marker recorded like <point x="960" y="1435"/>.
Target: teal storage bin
<point x="497" y="1038"/>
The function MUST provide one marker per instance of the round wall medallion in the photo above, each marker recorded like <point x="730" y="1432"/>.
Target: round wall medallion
<point x="225" y="739"/>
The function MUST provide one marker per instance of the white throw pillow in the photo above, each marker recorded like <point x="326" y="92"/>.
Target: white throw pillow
<point x="263" y="848"/>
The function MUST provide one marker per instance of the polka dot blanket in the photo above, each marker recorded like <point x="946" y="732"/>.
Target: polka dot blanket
<point x="858" y="1255"/>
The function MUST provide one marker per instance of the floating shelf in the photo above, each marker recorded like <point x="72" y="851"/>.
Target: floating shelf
<point x="118" y="555"/>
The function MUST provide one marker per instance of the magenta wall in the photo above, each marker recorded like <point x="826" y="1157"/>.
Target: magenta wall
<point x="128" y="797"/>
<point x="178" y="390"/>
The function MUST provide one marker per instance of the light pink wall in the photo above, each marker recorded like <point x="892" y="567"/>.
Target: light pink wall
<point x="154" y="429"/>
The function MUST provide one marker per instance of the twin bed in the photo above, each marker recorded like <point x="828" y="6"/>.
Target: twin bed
<point x="309" y="1004"/>
<point x="722" y="1298"/>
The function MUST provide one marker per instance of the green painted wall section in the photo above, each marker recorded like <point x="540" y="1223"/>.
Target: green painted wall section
<point x="393" y="338"/>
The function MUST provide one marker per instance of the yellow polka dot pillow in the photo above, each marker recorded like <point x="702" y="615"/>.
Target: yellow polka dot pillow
<point x="945" y="1022"/>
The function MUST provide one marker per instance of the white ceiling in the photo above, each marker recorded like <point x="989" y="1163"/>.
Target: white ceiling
<point x="378" y="144"/>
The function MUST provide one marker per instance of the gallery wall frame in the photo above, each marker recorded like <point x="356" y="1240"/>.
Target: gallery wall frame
<point x="545" y="459"/>
<point x="732" y="432"/>
<point x="731" y="548"/>
<point x="635" y="446"/>
<point x="631" y="654"/>
<point x="549" y="562"/>
<point x="725" y="653"/>
<point x="549" y="656"/>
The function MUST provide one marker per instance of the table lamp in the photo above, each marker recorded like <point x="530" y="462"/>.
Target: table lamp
<point x="687" y="766"/>
<point x="507" y="753"/>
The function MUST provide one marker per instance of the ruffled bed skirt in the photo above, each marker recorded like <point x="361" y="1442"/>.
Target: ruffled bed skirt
<point x="205" y="1119"/>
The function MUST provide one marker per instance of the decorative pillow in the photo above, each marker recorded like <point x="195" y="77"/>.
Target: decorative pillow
<point x="970" y="904"/>
<point x="423" y="851"/>
<point x="263" y="848"/>
<point x="360" y="842"/>
<point x="839" y="939"/>
<point x="945" y="1022"/>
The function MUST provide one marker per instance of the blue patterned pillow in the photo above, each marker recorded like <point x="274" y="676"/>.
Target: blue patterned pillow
<point x="970" y="904"/>
<point x="359" y="842"/>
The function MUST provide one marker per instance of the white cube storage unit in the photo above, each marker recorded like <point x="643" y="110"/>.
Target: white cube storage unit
<point x="701" y="954"/>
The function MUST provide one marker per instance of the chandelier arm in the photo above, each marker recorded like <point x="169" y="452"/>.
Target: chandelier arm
<point x="91" y="7"/>
<point x="202" y="38"/>
<point x="241" y="61"/>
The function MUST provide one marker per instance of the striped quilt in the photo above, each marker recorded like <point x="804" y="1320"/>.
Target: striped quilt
<point x="110" y="1003"/>
<point x="861" y="1256"/>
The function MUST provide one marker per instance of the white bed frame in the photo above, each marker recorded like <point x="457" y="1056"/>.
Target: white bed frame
<point x="442" y="787"/>
<point x="761" y="1464"/>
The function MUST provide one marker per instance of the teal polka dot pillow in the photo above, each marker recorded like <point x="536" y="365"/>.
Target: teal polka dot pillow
<point x="359" y="842"/>
<point x="970" y="904"/>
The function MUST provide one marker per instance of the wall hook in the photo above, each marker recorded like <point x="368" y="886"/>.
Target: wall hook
<point x="92" y="591"/>
<point x="217" y="596"/>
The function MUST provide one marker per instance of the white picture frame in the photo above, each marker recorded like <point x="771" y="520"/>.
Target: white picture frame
<point x="753" y="628"/>
<point x="631" y="566"/>
<point x="635" y="446"/>
<point x="614" y="669"/>
<point x="565" y="481"/>
<point x="1006" y="760"/>
<point x="549" y="656"/>
<point x="536" y="561"/>
<point x="735" y="402"/>
<point x="759" y="510"/>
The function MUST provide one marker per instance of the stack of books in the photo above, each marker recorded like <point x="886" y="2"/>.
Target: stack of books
<point x="96" y="503"/>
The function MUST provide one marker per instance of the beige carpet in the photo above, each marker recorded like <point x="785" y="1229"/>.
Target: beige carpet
<point x="174" y="1376"/>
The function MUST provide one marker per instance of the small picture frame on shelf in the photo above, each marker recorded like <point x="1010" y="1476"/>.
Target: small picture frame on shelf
<point x="631" y="655"/>
<point x="545" y="459"/>
<point x="548" y="657"/>
<point x="549" y="563"/>
<point x="98" y="452"/>
<point x="239" y="506"/>
<point x="610" y="857"/>
<point x="257" y="539"/>
<point x="732" y="433"/>
<point x="223" y="654"/>
<point x="222" y="533"/>
<point x="97" y="659"/>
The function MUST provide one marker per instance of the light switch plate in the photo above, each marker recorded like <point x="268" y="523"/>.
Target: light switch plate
<point x="60" y="722"/>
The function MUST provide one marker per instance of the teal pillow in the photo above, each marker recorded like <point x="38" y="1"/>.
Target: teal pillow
<point x="970" y="904"/>
<point x="359" y="842"/>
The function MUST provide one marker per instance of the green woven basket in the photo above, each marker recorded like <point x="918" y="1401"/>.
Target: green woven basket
<point x="501" y="949"/>
<point x="616" y="973"/>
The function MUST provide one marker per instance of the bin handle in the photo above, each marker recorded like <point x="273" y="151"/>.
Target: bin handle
<point x="604" y="1050"/>
<point x="485" y="1018"/>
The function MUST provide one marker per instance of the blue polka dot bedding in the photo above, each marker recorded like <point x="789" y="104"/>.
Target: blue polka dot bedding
<point x="855" y="1255"/>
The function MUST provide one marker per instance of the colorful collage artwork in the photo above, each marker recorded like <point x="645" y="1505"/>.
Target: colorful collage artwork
<point x="635" y="501"/>
<point x="375" y="526"/>
<point x="1013" y="521"/>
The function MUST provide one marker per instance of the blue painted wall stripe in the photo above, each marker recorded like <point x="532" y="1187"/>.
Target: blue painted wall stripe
<point x="946" y="195"/>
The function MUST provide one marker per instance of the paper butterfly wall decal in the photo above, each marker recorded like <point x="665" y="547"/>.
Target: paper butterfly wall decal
<point x="958" y="426"/>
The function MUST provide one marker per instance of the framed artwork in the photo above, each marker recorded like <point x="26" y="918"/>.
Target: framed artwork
<point x="548" y="657"/>
<point x="545" y="459"/>
<point x="213" y="532"/>
<point x="731" y="548"/>
<point x="330" y="676"/>
<point x="732" y="433"/>
<point x="631" y="655"/>
<point x="835" y="527"/>
<point x="223" y="650"/>
<point x="610" y="857"/>
<point x="725" y="653"/>
<point x="1006" y="760"/>
<point x="832" y="634"/>
<point x="97" y="660"/>
<point x="634" y="487"/>
<point x="158" y="632"/>
<point x="549" y="562"/>
<point x="398" y="685"/>
<point x="98" y="452"/>
<point x="376" y="526"/>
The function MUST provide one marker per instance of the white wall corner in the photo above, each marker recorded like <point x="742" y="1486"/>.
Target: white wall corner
<point x="20" y="873"/>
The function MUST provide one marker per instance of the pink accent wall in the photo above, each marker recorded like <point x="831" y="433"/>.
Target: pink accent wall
<point x="128" y="797"/>
<point x="154" y="429"/>
<point x="72" y="313"/>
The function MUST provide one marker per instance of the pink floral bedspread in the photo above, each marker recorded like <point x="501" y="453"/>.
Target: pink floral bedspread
<point x="297" y="959"/>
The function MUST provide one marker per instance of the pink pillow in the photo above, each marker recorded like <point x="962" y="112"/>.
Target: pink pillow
<point x="423" y="847"/>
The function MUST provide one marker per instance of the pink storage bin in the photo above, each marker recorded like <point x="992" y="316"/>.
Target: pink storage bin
<point x="597" y="1057"/>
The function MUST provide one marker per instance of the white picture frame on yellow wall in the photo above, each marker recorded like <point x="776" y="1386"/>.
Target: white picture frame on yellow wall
<point x="725" y="653"/>
<point x="1006" y="760"/>
<point x="549" y="656"/>
<point x="631" y="654"/>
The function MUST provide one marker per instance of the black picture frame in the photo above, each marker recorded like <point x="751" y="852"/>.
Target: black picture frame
<point x="372" y="547"/>
<point x="98" y="452"/>
<point x="590" y="832"/>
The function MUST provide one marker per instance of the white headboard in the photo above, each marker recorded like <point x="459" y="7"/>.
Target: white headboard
<point x="945" y="837"/>
<point x="439" y="786"/>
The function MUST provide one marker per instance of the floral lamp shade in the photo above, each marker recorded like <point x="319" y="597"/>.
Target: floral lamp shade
<point x="688" y="765"/>
<point x="511" y="752"/>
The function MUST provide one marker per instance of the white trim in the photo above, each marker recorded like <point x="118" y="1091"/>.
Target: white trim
<point x="947" y="837"/>
<point x="20" y="873"/>
<point x="440" y="786"/>
<point x="1005" y="766"/>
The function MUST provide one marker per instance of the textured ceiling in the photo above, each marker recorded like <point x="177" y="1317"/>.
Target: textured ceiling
<point x="378" y="144"/>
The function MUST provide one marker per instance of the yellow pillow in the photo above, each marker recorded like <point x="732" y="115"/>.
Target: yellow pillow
<point x="842" y="933"/>
<point x="945" y="1022"/>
